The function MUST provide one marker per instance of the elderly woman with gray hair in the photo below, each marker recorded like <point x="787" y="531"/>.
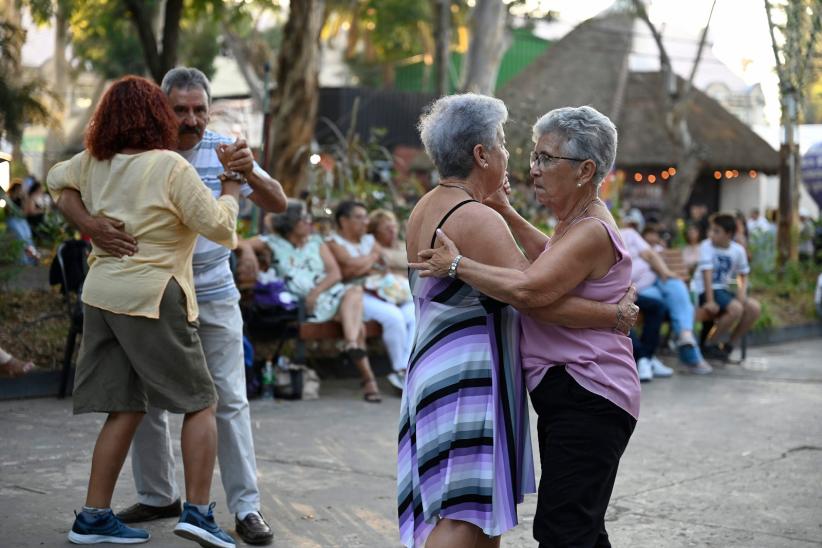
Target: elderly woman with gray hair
<point x="464" y="445"/>
<point x="306" y="264"/>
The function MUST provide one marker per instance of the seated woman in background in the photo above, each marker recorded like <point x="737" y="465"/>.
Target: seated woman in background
<point x="361" y="261"/>
<point x="383" y="225"/>
<point x="306" y="264"/>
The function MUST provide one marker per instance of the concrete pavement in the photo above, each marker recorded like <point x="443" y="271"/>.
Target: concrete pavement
<point x="731" y="460"/>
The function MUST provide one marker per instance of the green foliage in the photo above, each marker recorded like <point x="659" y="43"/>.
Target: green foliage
<point x="22" y="100"/>
<point x="103" y="38"/>
<point x="10" y="251"/>
<point x="199" y="44"/>
<point x="360" y="171"/>
<point x="786" y="295"/>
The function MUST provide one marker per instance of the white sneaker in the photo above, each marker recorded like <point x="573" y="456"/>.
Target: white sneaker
<point x="659" y="369"/>
<point x="736" y="355"/>
<point x="645" y="370"/>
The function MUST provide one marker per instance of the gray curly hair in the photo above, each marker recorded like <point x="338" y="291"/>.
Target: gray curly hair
<point x="454" y="125"/>
<point x="587" y="134"/>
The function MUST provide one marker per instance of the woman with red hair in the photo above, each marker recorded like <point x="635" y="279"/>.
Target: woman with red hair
<point x="140" y="343"/>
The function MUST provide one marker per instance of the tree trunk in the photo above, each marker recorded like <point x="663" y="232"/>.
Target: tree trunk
<point x="240" y="55"/>
<point x="55" y="138"/>
<point x="783" y="222"/>
<point x="294" y="102"/>
<point x="676" y="95"/>
<point x="74" y="141"/>
<point x="158" y="61"/>
<point x="789" y="173"/>
<point x="489" y="40"/>
<point x="442" y="57"/>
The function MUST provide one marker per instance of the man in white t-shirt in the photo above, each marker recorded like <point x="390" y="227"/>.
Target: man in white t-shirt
<point x="721" y="260"/>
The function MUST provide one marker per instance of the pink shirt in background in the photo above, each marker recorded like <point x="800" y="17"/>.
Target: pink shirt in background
<point x="600" y="360"/>
<point x="642" y="275"/>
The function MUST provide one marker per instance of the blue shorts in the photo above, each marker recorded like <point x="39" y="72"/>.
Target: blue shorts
<point x="722" y="297"/>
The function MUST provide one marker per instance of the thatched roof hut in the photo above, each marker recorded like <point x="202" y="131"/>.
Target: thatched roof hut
<point x="589" y="66"/>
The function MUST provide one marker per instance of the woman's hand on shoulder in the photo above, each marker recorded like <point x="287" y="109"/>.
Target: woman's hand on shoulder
<point x="437" y="261"/>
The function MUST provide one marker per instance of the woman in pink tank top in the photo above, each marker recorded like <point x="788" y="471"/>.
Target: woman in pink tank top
<point x="582" y="381"/>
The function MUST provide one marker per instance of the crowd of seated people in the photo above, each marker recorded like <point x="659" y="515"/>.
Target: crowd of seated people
<point x="363" y="262"/>
<point x="717" y="266"/>
<point x="356" y="274"/>
<point x="659" y="294"/>
<point x="304" y="261"/>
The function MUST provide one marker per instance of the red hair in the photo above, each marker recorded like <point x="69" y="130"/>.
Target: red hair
<point x="133" y="113"/>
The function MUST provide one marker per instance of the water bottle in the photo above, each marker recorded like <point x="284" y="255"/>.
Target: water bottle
<point x="268" y="380"/>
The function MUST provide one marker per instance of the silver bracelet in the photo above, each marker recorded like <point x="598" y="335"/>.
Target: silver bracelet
<point x="452" y="270"/>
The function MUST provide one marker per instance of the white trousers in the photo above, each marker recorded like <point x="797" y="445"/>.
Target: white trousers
<point x="152" y="455"/>
<point x="397" y="327"/>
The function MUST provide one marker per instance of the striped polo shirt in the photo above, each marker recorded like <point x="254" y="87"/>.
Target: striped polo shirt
<point x="213" y="280"/>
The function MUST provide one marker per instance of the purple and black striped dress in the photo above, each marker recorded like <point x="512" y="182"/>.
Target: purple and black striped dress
<point x="464" y="440"/>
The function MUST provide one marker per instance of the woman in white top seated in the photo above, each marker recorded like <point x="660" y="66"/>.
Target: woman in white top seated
<point x="304" y="261"/>
<point x="360" y="256"/>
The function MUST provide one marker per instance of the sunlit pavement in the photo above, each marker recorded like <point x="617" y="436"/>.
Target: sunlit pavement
<point x="730" y="460"/>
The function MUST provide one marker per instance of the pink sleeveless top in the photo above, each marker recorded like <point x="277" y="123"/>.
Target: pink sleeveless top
<point x="600" y="360"/>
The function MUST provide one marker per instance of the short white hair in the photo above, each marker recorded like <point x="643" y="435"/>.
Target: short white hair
<point x="587" y="134"/>
<point x="453" y="125"/>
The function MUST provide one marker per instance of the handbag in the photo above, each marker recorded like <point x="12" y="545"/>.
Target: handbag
<point x="388" y="287"/>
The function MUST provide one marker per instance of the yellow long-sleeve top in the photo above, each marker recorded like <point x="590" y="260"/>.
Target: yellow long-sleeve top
<point x="164" y="205"/>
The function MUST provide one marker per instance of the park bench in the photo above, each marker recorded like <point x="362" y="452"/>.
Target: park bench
<point x="281" y="326"/>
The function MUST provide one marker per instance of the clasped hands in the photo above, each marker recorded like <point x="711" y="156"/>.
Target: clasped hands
<point x="237" y="160"/>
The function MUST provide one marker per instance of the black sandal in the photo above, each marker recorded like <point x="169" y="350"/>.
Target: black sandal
<point x="372" y="396"/>
<point x="355" y="353"/>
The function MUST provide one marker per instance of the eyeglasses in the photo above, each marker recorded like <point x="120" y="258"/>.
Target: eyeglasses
<point x="543" y="159"/>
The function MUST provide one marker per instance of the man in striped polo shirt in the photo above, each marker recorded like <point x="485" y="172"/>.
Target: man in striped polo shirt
<point x="220" y="322"/>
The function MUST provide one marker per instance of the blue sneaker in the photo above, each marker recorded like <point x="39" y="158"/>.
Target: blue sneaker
<point x="200" y="528"/>
<point x="689" y="354"/>
<point x="96" y="528"/>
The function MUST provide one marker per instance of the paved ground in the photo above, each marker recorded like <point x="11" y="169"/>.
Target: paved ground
<point x="729" y="461"/>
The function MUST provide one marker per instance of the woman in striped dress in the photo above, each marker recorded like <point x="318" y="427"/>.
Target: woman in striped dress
<point x="464" y="458"/>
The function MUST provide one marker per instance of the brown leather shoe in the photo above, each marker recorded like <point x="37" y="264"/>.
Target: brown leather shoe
<point x="143" y="512"/>
<point x="253" y="529"/>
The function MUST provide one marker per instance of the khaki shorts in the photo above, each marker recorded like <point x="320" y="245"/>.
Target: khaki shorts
<point x="129" y="362"/>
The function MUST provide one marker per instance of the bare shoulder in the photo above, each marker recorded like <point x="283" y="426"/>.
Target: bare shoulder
<point x="482" y="234"/>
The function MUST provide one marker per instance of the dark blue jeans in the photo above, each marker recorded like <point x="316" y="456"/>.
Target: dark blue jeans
<point x="653" y="314"/>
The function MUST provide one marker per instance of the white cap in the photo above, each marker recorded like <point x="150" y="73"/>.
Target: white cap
<point x="634" y="216"/>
